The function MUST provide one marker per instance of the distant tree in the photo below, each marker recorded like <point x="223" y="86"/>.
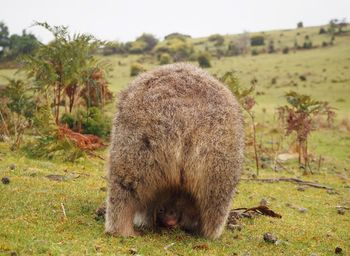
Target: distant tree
<point x="217" y="38"/>
<point x="257" y="40"/>
<point x="150" y="41"/>
<point x="179" y="48"/>
<point x="239" y="45"/>
<point x="271" y="47"/>
<point x="322" y="31"/>
<point x="24" y="44"/>
<point x="242" y="42"/>
<point x="4" y="38"/>
<point x="336" y="26"/>
<point x="177" y="35"/>
<point x="300" y="24"/>
<point x="114" y="48"/>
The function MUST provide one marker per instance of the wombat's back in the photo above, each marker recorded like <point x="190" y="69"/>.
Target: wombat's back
<point x="173" y="126"/>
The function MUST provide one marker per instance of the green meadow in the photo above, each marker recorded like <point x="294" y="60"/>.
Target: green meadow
<point x="41" y="216"/>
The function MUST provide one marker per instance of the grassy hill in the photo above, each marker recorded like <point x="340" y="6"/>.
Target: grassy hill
<point x="32" y="221"/>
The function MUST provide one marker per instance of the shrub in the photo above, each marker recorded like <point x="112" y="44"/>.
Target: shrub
<point x="68" y="119"/>
<point x="271" y="47"/>
<point x="136" y="68"/>
<point x="95" y="122"/>
<point x="164" y="58"/>
<point x="49" y="144"/>
<point x="203" y="60"/>
<point x="307" y="45"/>
<point x="255" y="52"/>
<point x="149" y="40"/>
<point x="300" y="24"/>
<point x="322" y="31"/>
<point x="178" y="48"/>
<point x="218" y="39"/>
<point x="177" y="35"/>
<point x="257" y="40"/>
<point x="299" y="116"/>
<point x="233" y="49"/>
<point x="285" y="50"/>
<point x="92" y="121"/>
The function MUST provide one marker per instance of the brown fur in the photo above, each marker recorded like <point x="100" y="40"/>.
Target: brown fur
<point x="176" y="128"/>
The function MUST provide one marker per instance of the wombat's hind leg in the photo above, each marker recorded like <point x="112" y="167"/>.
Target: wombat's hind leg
<point x="214" y="208"/>
<point x="120" y="212"/>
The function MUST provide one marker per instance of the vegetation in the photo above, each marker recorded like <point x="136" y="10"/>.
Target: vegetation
<point x="12" y="46"/>
<point x="63" y="196"/>
<point x="203" y="60"/>
<point x="299" y="117"/>
<point x="136" y="68"/>
<point x="247" y="101"/>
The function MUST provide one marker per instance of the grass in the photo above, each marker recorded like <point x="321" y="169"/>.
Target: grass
<point x="32" y="220"/>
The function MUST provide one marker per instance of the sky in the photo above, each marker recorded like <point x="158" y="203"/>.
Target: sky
<point x="124" y="20"/>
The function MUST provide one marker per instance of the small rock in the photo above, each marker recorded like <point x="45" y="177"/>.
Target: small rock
<point x="234" y="227"/>
<point x="331" y="191"/>
<point x="341" y="210"/>
<point x="5" y="180"/>
<point x="301" y="188"/>
<point x="313" y="254"/>
<point x="12" y="166"/>
<point x="302" y="210"/>
<point x="338" y="250"/>
<point x="100" y="212"/>
<point x="264" y="202"/>
<point x="133" y="251"/>
<point x="270" y="238"/>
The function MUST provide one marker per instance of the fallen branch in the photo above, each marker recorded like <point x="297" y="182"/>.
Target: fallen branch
<point x="261" y="209"/>
<point x="293" y="180"/>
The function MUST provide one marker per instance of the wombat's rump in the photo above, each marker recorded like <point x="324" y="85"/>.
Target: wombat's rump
<point x="176" y="128"/>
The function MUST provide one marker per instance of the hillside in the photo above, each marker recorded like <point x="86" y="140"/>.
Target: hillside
<point x="55" y="215"/>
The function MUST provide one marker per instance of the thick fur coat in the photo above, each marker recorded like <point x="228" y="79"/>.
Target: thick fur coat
<point x="176" y="128"/>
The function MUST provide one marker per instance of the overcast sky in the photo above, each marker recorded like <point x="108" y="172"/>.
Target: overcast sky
<point x="126" y="19"/>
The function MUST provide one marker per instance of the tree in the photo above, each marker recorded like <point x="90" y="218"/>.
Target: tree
<point x="299" y="117"/>
<point x="18" y="109"/>
<point x="217" y="38"/>
<point x="179" y="48"/>
<point x="300" y="24"/>
<point x="150" y="41"/>
<point x="24" y="44"/>
<point x="62" y="67"/>
<point x="4" y="38"/>
<point x="245" y="98"/>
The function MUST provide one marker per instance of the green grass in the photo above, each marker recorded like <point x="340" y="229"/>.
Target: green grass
<point x="31" y="217"/>
<point x="32" y="221"/>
